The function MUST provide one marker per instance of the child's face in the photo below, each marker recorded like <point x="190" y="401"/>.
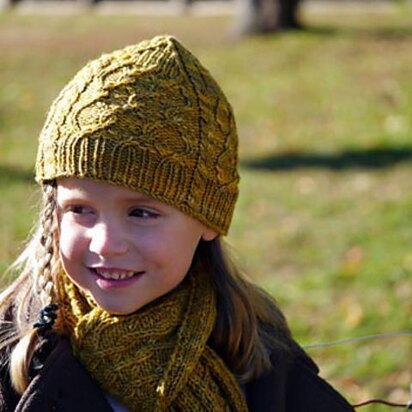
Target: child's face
<point x="108" y="231"/>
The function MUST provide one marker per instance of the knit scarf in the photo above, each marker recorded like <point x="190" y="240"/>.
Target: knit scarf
<point x="157" y="358"/>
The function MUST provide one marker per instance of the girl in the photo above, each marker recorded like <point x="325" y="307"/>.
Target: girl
<point x="125" y="299"/>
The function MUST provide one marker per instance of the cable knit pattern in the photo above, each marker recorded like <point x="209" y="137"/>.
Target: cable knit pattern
<point x="151" y="118"/>
<point x="156" y="359"/>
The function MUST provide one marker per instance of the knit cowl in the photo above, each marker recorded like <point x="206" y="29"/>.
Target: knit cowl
<point x="158" y="358"/>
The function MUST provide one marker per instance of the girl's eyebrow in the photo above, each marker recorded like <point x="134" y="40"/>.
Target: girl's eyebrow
<point x="140" y="197"/>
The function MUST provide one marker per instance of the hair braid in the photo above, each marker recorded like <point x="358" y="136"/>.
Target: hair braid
<point x="43" y="274"/>
<point x="47" y="252"/>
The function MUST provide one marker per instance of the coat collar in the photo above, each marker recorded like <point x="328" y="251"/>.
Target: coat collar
<point x="269" y="392"/>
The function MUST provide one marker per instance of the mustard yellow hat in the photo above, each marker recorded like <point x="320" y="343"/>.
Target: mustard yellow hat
<point x="149" y="117"/>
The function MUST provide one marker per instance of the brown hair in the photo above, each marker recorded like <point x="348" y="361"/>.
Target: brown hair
<point x="249" y="323"/>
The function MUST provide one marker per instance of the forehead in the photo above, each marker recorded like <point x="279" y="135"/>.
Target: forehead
<point x="74" y="186"/>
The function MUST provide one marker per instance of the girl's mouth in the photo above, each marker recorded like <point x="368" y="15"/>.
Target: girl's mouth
<point x="108" y="278"/>
<point x="115" y="274"/>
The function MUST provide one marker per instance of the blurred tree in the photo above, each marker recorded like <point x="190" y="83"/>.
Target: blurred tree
<point x="6" y="4"/>
<point x="265" y="16"/>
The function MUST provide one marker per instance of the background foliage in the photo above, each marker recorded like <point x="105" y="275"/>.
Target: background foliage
<point x="325" y="125"/>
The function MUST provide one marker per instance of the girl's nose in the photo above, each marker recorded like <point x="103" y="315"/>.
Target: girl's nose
<point x="107" y="240"/>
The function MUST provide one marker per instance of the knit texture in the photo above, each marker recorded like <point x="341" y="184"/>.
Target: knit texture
<point x="156" y="359"/>
<point x="149" y="117"/>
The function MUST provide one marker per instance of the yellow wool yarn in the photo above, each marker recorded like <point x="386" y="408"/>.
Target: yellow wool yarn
<point x="149" y="117"/>
<point x="156" y="359"/>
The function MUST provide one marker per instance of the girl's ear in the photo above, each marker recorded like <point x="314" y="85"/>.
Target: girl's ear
<point x="208" y="234"/>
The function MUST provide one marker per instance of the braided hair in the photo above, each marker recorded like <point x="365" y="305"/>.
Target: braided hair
<point x="33" y="293"/>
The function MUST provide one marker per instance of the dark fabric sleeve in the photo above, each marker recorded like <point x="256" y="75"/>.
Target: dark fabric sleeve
<point x="3" y="403"/>
<point x="8" y="397"/>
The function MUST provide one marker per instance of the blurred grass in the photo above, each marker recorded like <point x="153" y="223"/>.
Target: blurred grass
<point x="325" y="125"/>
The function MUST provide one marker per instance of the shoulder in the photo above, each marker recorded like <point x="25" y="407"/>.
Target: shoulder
<point x="293" y="385"/>
<point x="54" y="370"/>
<point x="309" y="392"/>
<point x="9" y="398"/>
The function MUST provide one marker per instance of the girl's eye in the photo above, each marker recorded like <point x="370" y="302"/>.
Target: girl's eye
<point x="143" y="213"/>
<point x="79" y="210"/>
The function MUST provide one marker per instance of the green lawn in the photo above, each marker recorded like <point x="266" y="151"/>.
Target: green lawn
<point x="325" y="125"/>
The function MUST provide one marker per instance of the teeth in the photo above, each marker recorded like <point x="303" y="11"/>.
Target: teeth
<point x="115" y="276"/>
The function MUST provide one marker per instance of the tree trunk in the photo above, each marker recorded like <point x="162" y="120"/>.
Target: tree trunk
<point x="287" y="16"/>
<point x="267" y="16"/>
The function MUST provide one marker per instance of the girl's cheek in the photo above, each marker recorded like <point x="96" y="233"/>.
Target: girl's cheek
<point x="72" y="241"/>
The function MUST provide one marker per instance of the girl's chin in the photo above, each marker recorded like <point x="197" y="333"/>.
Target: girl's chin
<point x="118" y="309"/>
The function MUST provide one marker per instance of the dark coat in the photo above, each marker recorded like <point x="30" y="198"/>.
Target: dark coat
<point x="60" y="383"/>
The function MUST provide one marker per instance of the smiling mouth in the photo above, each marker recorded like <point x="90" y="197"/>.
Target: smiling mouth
<point x="115" y="275"/>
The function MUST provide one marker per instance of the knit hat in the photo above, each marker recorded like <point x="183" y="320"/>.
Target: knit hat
<point x="151" y="118"/>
